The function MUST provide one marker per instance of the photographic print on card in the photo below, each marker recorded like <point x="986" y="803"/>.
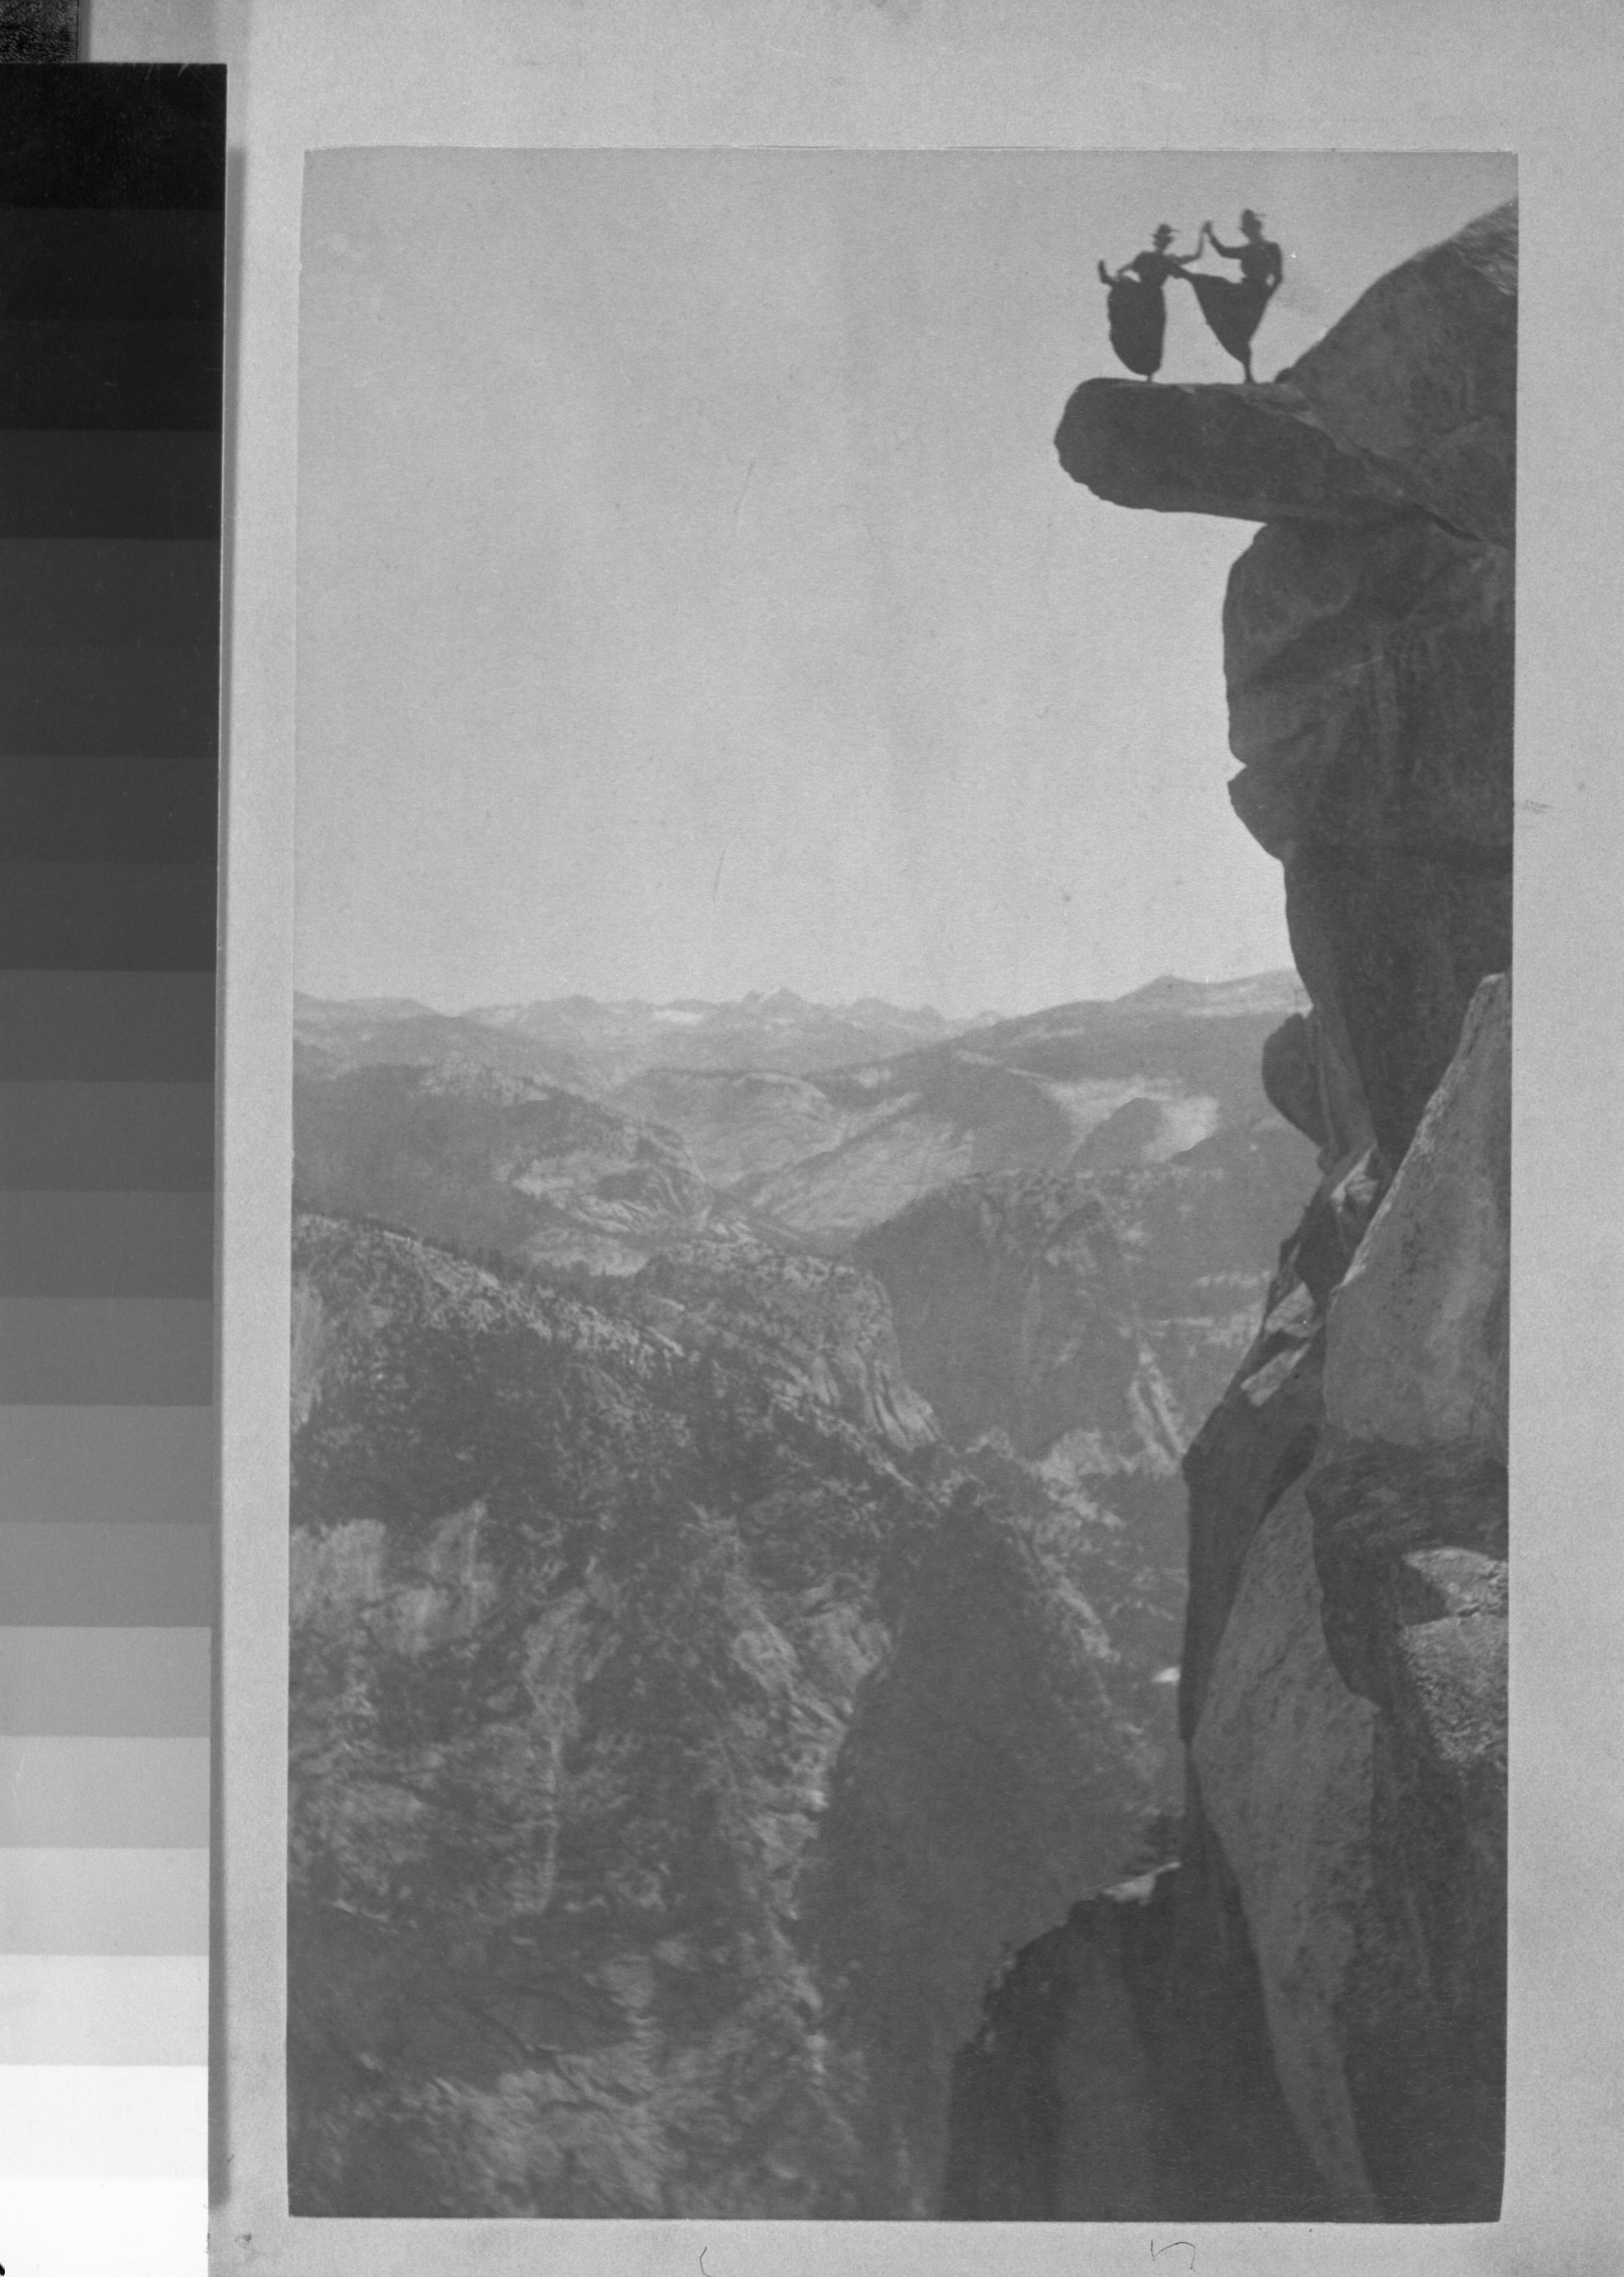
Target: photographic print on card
<point x="900" y="1196"/>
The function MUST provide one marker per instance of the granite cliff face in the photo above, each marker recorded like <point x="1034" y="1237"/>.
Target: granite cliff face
<point x="1305" y="2017"/>
<point x="1092" y="1318"/>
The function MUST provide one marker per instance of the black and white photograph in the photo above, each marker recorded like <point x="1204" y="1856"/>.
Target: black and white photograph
<point x="901" y="1185"/>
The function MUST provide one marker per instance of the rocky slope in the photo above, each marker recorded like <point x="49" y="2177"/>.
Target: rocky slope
<point x="486" y="1160"/>
<point x="333" y="1037"/>
<point x="638" y="1809"/>
<point x="931" y="1678"/>
<point x="1091" y="1319"/>
<point x="1325" y="1966"/>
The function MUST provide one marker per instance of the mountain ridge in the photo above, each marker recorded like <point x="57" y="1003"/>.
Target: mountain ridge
<point x="822" y="1155"/>
<point x="567" y="1021"/>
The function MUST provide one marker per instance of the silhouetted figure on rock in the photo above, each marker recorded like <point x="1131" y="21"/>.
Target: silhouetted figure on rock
<point x="1135" y="308"/>
<point x="1233" y="306"/>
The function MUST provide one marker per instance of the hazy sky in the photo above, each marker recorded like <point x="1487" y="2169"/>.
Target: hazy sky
<point x="691" y="600"/>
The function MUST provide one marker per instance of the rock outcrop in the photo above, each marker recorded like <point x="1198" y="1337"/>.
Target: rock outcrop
<point x="1411" y="400"/>
<point x="994" y="1767"/>
<point x="1368" y="639"/>
<point x="1329" y="1952"/>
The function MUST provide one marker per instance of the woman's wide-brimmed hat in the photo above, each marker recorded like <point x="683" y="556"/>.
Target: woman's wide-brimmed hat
<point x="1163" y="231"/>
<point x="1247" y="215"/>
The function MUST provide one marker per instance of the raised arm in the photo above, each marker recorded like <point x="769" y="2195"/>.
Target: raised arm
<point x="1230" y="252"/>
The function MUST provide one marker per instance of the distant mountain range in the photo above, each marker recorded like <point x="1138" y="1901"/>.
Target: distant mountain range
<point x="822" y="1147"/>
<point x="596" y="1045"/>
<point x="593" y="1046"/>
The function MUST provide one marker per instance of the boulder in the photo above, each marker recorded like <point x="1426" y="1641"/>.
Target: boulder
<point x="1284" y="1753"/>
<point x="1369" y="681"/>
<point x="1410" y="1548"/>
<point x="1308" y="1079"/>
<point x="1259" y="1440"/>
<point x="1247" y="454"/>
<point x="1421" y="373"/>
<point x="1394" y="947"/>
<point x="1417" y="1352"/>
<point x="1291" y="1077"/>
<point x="1248" y="1454"/>
<point x="1118" y="2077"/>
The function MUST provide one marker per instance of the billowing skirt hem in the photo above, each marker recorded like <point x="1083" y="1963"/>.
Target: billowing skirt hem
<point x="1137" y="315"/>
<point x="1233" y="310"/>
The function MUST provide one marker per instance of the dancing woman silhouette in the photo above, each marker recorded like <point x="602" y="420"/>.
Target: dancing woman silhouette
<point x="1233" y="306"/>
<point x="1135" y="308"/>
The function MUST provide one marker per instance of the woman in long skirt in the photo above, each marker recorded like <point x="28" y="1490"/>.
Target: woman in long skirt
<point x="1135" y="308"/>
<point x="1233" y="306"/>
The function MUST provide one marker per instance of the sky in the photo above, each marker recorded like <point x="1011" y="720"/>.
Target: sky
<point x="691" y="601"/>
